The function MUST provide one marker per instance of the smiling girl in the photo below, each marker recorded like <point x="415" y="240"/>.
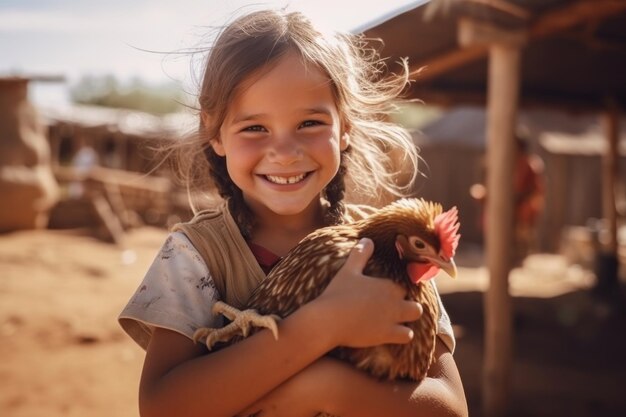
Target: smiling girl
<point x="287" y="114"/>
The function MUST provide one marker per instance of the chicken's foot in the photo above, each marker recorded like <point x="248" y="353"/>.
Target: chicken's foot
<point x="241" y="323"/>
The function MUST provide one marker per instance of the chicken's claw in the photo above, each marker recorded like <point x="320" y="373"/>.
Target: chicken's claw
<point x="241" y="322"/>
<point x="212" y="336"/>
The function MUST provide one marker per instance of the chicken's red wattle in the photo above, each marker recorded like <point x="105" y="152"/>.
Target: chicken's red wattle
<point x="421" y="271"/>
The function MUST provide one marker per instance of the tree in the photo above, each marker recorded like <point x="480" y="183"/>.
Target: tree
<point x="107" y="91"/>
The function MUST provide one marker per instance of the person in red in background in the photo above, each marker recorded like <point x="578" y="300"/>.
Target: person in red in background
<point x="529" y="197"/>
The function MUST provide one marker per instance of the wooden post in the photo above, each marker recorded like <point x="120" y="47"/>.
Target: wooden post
<point x="607" y="263"/>
<point x="504" y="62"/>
<point x="609" y="176"/>
<point x="502" y="101"/>
<point x="557" y="205"/>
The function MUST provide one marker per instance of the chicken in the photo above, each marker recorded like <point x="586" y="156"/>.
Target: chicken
<point x="413" y="240"/>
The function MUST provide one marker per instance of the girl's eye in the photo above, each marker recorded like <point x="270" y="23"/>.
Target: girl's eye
<point x="254" y="128"/>
<point x="310" y="123"/>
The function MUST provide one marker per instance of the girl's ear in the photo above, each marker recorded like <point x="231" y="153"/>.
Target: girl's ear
<point x="218" y="147"/>
<point x="216" y="143"/>
<point x="344" y="141"/>
<point x="206" y="120"/>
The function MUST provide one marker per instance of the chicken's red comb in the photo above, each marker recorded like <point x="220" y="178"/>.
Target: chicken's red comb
<point x="447" y="228"/>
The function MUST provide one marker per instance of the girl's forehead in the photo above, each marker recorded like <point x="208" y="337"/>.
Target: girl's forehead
<point x="289" y="65"/>
<point x="288" y="72"/>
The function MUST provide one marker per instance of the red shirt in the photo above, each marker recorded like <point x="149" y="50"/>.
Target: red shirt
<point x="266" y="259"/>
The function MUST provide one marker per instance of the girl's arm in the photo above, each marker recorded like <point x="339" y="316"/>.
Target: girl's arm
<point x="179" y="379"/>
<point x="338" y="388"/>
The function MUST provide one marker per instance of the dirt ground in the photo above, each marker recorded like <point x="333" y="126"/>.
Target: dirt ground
<point x="63" y="353"/>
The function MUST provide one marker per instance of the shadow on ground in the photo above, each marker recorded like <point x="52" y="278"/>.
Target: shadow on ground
<point x="569" y="353"/>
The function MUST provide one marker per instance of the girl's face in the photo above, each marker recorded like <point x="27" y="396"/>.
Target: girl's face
<point x="282" y="137"/>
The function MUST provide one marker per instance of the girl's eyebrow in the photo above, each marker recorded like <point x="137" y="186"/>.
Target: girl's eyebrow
<point x="255" y="116"/>
<point x="319" y="110"/>
<point x="246" y="117"/>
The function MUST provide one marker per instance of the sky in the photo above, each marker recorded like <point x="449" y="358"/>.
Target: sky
<point x="142" y="38"/>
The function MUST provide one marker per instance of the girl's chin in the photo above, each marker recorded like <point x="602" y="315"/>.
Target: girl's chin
<point x="283" y="208"/>
<point x="288" y="209"/>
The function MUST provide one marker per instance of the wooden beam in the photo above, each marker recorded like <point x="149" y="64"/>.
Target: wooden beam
<point x="545" y="25"/>
<point x="574" y="14"/>
<point x="32" y="77"/>
<point x="503" y="6"/>
<point x="433" y="68"/>
<point x="112" y="229"/>
<point x="453" y="97"/>
<point x="472" y="32"/>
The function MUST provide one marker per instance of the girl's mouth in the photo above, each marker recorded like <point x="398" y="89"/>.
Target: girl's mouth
<point x="294" y="179"/>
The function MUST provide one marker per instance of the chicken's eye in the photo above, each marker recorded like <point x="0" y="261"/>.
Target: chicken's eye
<point x="417" y="243"/>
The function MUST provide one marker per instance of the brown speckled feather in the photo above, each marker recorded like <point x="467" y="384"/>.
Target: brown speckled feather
<point x="306" y="271"/>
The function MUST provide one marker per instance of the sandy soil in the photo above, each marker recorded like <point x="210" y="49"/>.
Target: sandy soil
<point x="63" y="353"/>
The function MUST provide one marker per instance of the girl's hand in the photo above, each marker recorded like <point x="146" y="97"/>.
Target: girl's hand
<point x="362" y="311"/>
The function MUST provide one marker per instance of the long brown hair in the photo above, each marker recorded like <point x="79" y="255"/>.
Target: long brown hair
<point x="363" y="91"/>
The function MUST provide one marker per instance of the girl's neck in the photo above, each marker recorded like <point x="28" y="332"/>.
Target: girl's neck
<point x="280" y="233"/>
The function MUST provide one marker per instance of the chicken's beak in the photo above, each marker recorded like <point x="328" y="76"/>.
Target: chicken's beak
<point x="449" y="267"/>
<point x="446" y="265"/>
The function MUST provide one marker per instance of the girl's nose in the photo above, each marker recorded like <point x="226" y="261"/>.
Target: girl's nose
<point x="285" y="150"/>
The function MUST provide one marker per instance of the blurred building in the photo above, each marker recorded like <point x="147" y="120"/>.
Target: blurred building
<point x="571" y="146"/>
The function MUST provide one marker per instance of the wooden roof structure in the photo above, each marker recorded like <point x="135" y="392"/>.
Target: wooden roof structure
<point x="506" y="54"/>
<point x="574" y="53"/>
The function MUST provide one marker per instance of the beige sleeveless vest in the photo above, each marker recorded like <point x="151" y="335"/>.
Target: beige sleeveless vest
<point x="232" y="265"/>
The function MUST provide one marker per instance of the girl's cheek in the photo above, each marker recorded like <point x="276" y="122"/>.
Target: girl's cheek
<point x="325" y="137"/>
<point x="249" y="152"/>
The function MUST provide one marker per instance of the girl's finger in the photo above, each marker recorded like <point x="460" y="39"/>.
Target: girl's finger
<point x="400" y="335"/>
<point x="360" y="254"/>
<point x="410" y="311"/>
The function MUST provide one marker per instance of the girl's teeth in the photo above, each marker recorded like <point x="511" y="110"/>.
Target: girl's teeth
<point x="285" y="180"/>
